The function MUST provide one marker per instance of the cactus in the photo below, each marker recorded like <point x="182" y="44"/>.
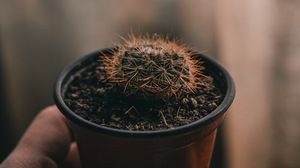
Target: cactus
<point x="153" y="66"/>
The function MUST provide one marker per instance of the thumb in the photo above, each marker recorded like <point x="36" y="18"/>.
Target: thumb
<point x="45" y="144"/>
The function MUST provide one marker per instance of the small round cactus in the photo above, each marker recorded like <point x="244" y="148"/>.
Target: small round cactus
<point x="152" y="67"/>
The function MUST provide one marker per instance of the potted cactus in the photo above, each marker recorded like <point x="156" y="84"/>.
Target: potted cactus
<point x="148" y="102"/>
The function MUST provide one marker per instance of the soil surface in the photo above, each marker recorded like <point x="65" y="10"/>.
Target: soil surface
<point x="94" y="101"/>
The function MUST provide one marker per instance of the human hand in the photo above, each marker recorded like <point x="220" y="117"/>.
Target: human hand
<point x="47" y="143"/>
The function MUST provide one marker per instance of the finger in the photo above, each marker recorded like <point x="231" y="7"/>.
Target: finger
<point x="72" y="160"/>
<point x="46" y="142"/>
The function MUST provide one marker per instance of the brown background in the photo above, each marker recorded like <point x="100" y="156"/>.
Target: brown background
<point x="257" y="40"/>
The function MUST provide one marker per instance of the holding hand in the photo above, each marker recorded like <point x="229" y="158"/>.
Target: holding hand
<point x="47" y="143"/>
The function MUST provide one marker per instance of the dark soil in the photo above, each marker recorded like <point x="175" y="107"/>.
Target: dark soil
<point x="95" y="102"/>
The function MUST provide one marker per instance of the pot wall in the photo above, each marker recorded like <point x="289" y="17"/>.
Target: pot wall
<point x="190" y="150"/>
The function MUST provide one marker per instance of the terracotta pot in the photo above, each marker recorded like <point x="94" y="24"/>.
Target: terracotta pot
<point x="188" y="146"/>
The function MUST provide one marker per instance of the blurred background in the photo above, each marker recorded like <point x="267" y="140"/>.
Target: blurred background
<point x="258" y="41"/>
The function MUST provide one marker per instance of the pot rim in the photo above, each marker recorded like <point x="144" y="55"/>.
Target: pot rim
<point x="68" y="113"/>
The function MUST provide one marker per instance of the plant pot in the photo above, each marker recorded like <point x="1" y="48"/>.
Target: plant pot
<point x="188" y="146"/>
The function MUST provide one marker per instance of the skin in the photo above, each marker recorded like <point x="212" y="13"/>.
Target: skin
<point x="47" y="143"/>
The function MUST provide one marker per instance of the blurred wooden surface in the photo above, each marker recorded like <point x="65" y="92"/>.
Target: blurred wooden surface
<point x="5" y="125"/>
<point x="245" y="49"/>
<point x="257" y="40"/>
<point x="259" y="43"/>
<point x="286" y="86"/>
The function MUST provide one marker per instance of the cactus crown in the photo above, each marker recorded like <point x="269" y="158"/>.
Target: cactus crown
<point x="152" y="66"/>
